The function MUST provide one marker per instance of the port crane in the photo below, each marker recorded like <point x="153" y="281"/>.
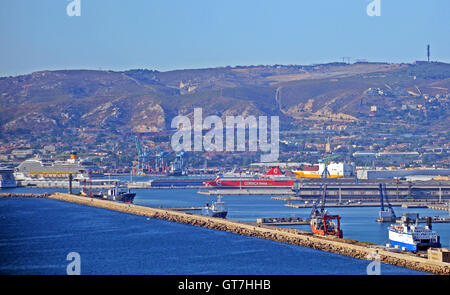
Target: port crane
<point x="320" y="200"/>
<point x="321" y="222"/>
<point x="161" y="161"/>
<point x="143" y="157"/>
<point x="161" y="165"/>
<point x="177" y="166"/>
<point x="325" y="161"/>
<point x="386" y="212"/>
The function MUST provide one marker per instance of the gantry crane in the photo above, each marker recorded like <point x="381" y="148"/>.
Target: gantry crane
<point x="143" y="157"/>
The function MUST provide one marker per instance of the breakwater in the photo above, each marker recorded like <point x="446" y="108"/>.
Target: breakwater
<point x="11" y="195"/>
<point x="351" y="248"/>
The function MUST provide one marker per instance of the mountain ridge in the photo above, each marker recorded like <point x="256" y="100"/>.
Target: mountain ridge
<point x="145" y="100"/>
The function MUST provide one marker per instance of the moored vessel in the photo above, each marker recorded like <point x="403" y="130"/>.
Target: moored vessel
<point x="217" y="209"/>
<point x="333" y="170"/>
<point x="273" y="179"/>
<point x="120" y="192"/>
<point x="40" y="169"/>
<point x="323" y="223"/>
<point x="411" y="236"/>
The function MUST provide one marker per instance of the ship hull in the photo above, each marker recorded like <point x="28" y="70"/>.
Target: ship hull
<point x="7" y="184"/>
<point x="126" y="197"/>
<point x="321" y="232"/>
<point x="218" y="214"/>
<point x="301" y="174"/>
<point x="415" y="247"/>
<point x="236" y="184"/>
<point x="405" y="240"/>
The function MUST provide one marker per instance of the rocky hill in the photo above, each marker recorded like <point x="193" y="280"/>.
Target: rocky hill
<point x="146" y="101"/>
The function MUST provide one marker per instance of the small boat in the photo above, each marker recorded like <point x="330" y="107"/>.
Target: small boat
<point x="217" y="209"/>
<point x="411" y="236"/>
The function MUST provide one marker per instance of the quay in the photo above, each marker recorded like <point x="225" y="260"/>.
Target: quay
<point x="344" y="204"/>
<point x="347" y="247"/>
<point x="444" y="207"/>
<point x="434" y="219"/>
<point x="346" y="189"/>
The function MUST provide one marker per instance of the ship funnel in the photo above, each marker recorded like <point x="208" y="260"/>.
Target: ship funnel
<point x="73" y="155"/>
<point x="274" y="171"/>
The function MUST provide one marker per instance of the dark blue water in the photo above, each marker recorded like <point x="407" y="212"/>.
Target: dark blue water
<point x="37" y="234"/>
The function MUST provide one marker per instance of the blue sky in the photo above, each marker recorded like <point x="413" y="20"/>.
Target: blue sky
<point x="178" y="34"/>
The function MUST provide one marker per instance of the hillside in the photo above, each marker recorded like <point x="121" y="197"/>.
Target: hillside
<point x="146" y="101"/>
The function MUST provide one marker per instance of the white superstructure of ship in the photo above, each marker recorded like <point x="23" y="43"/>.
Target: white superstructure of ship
<point x="335" y="170"/>
<point x="411" y="236"/>
<point x="48" y="169"/>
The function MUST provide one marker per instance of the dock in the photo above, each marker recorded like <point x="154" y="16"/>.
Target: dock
<point x="345" y="189"/>
<point x="434" y="219"/>
<point x="342" y="205"/>
<point x="347" y="247"/>
<point x="443" y="207"/>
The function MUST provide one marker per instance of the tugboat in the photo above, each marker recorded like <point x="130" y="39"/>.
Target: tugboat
<point x="411" y="236"/>
<point x="321" y="222"/>
<point x="217" y="209"/>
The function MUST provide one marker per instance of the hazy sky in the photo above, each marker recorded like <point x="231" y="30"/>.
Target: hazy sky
<point x="176" y="34"/>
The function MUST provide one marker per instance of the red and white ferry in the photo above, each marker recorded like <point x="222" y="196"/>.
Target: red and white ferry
<point x="273" y="179"/>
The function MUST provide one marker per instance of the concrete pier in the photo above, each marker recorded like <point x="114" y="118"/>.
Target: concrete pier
<point x="444" y="207"/>
<point x="351" y="248"/>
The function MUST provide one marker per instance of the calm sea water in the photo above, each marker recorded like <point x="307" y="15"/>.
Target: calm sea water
<point x="37" y="234"/>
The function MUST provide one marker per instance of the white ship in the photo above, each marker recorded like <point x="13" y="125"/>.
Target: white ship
<point x="47" y="169"/>
<point x="7" y="178"/>
<point x="411" y="236"/>
<point x="335" y="170"/>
